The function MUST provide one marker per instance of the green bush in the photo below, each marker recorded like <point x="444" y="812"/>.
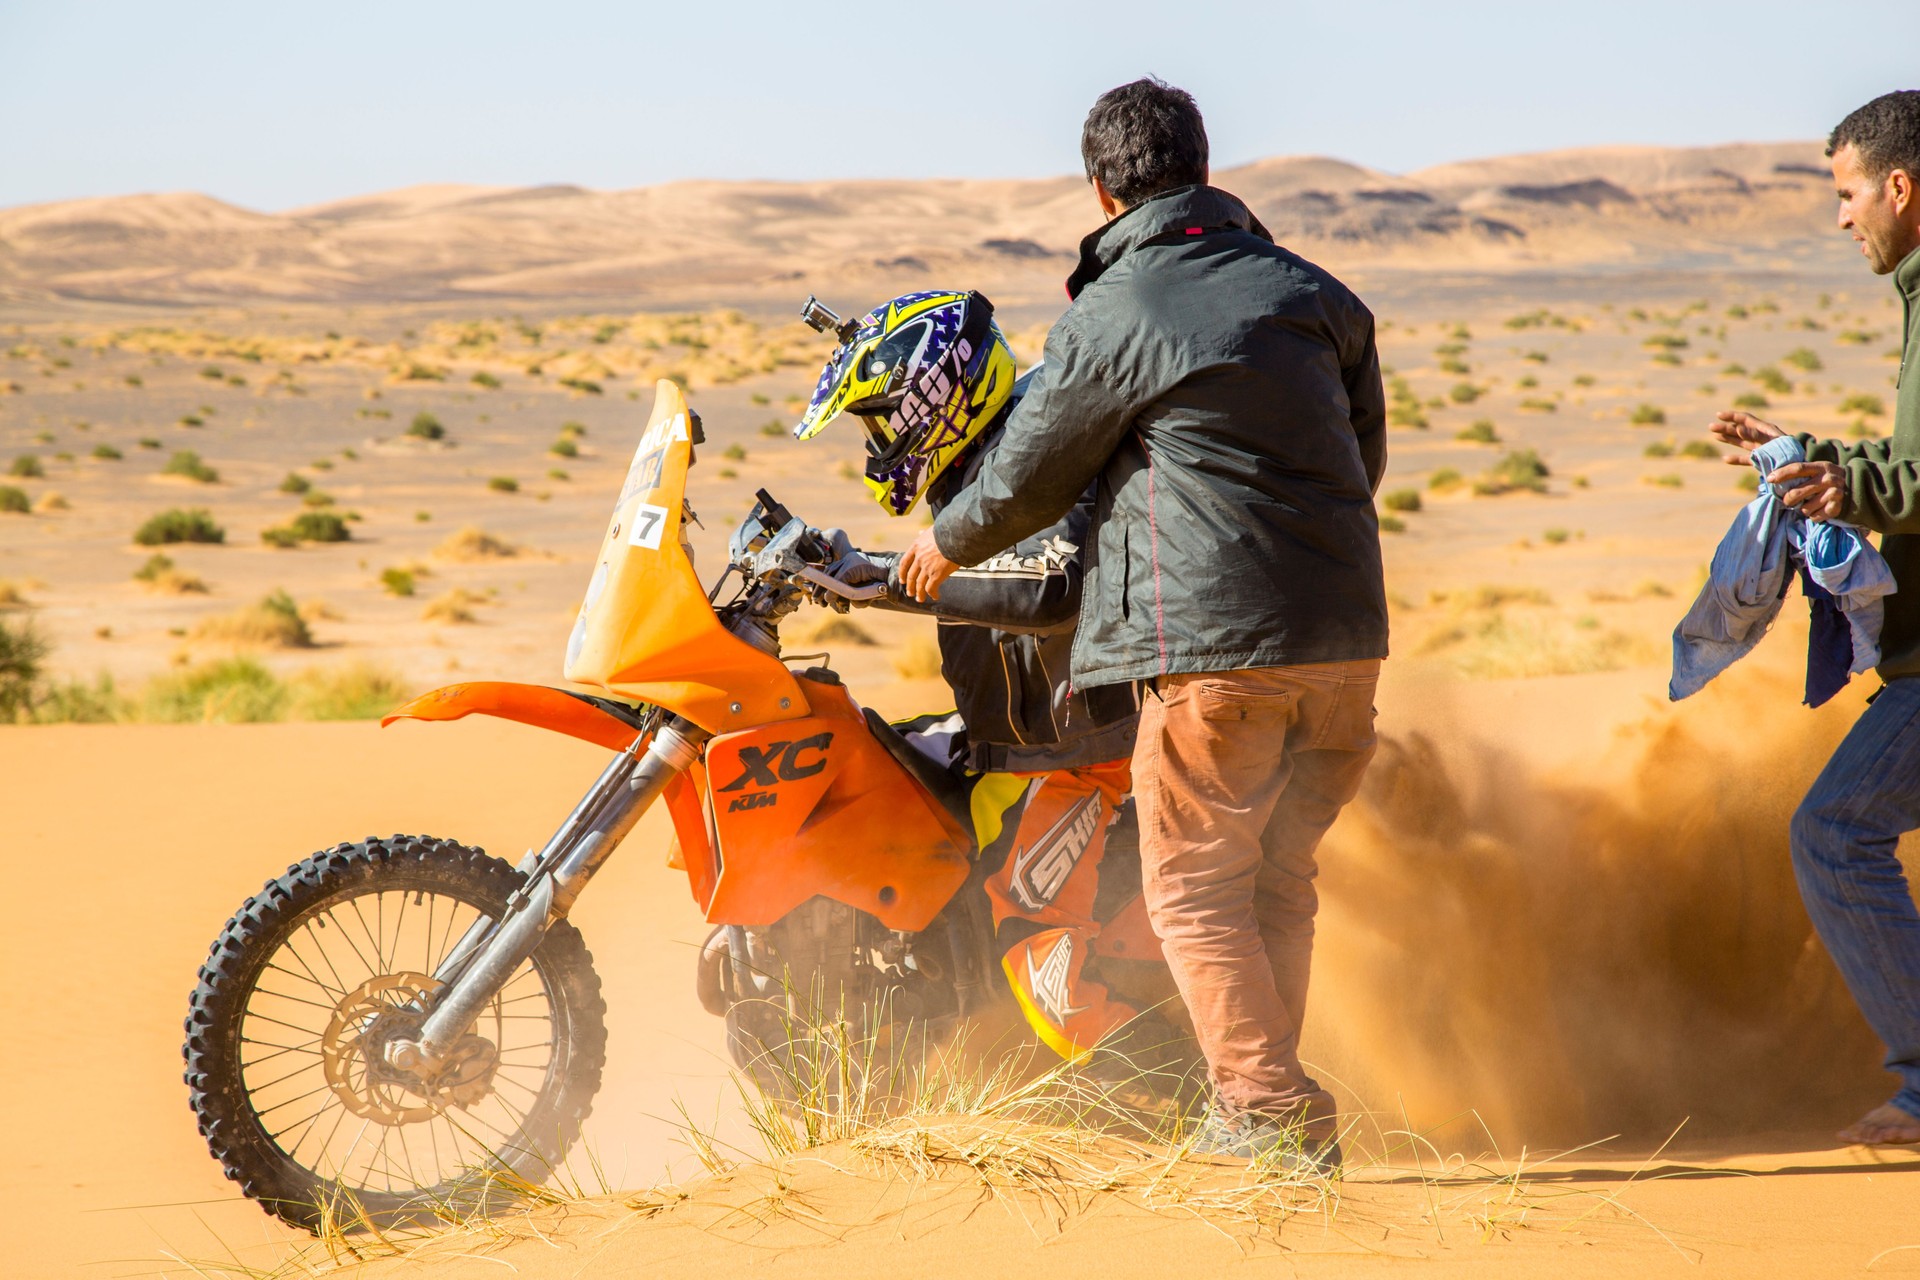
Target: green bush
<point x="1539" y="406"/>
<point x="228" y="691"/>
<point x="1584" y="380"/>
<point x="1407" y="500"/>
<point x="1554" y="537"/>
<point x="564" y="447"/>
<point x="1700" y="449"/>
<point x="295" y="483"/>
<point x="1773" y="380"/>
<point x="27" y="467"/>
<point x="1667" y="480"/>
<point x="555" y="473"/>
<point x="503" y="484"/>
<point x="735" y="453"/>
<point x="185" y="462"/>
<point x="773" y="429"/>
<point x="1444" y="478"/>
<point x="1648" y="415"/>
<point x="106" y="453"/>
<point x="193" y="524"/>
<point x="1406" y="414"/>
<point x="583" y="385"/>
<point x="485" y="379"/>
<point x="1803" y="359"/>
<point x="1463" y="393"/>
<point x="1481" y="432"/>
<point x="134" y="380"/>
<point x="1750" y="400"/>
<point x="192" y="420"/>
<point x="213" y="373"/>
<point x="1392" y="524"/>
<point x="22" y="649"/>
<point x="573" y="429"/>
<point x="148" y="442"/>
<point x="1860" y="402"/>
<point x="426" y="427"/>
<point x="1520" y="469"/>
<point x="1658" y="449"/>
<point x="319" y="526"/>
<point x="14" y="501"/>
<point x="397" y="582"/>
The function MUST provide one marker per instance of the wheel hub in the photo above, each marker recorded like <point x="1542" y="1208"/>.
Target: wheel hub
<point x="355" y="1058"/>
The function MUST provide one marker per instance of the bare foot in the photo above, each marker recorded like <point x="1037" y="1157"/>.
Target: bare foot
<point x="1884" y="1126"/>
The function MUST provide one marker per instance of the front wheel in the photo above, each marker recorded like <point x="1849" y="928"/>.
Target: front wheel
<point x="310" y="980"/>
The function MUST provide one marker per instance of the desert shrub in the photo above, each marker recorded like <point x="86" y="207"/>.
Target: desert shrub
<point x="1667" y="480"/>
<point x="1402" y="500"/>
<point x="486" y="380"/>
<point x="106" y="453"/>
<point x="273" y="623"/>
<point x="1771" y="379"/>
<point x="472" y="545"/>
<point x="316" y="498"/>
<point x="1700" y="449"/>
<point x="14" y="501"/>
<point x="1862" y="403"/>
<point x="1392" y="524"/>
<point x="148" y="442"/>
<point x="1750" y="400"/>
<point x="1733" y="371"/>
<point x="360" y="691"/>
<point x="1584" y="380"/>
<point x="1456" y="366"/>
<point x="1527" y="382"/>
<point x="26" y="467"/>
<point x="564" y="447"/>
<point x="584" y="386"/>
<point x="1539" y="406"/>
<point x="321" y="464"/>
<point x="735" y="453"/>
<point x="1463" y="393"/>
<point x="228" y="691"/>
<point x="279" y="536"/>
<point x="1406" y="414"/>
<point x="159" y="574"/>
<point x="397" y="582"/>
<point x="575" y="430"/>
<point x="773" y="428"/>
<point x="192" y="524"/>
<point x="1481" y="432"/>
<point x="185" y="462"/>
<point x="320" y="526"/>
<point x="426" y="427"/>
<point x="1443" y="479"/>
<point x="414" y="372"/>
<point x="213" y="373"/>
<point x="22" y="649"/>
<point x="52" y="502"/>
<point x="503" y="484"/>
<point x="134" y="380"/>
<point x="1803" y="359"/>
<point x="295" y="483"/>
<point x="1658" y="449"/>
<point x="1520" y="469"/>
<point x="1736" y="312"/>
<point x="917" y="659"/>
<point x="1664" y="342"/>
<point x="1855" y="337"/>
<point x="1536" y="357"/>
<point x="1554" y="537"/>
<point x="192" y="420"/>
<point x="453" y="607"/>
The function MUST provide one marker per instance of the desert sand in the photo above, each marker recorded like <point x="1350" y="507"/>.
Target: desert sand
<point x="1560" y="920"/>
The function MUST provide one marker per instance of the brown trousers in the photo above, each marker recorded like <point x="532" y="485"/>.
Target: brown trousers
<point x="1236" y="776"/>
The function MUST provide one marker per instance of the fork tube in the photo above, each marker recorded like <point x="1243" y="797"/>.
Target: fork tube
<point x="548" y="900"/>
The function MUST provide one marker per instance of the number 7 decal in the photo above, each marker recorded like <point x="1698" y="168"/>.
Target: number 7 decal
<point x="649" y="522"/>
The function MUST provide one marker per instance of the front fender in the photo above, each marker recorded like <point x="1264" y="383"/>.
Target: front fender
<point x="570" y="713"/>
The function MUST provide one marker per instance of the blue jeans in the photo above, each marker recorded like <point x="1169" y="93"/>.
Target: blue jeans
<point x="1844" y="836"/>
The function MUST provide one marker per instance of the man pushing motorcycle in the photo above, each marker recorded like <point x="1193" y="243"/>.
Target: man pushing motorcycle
<point x="932" y="380"/>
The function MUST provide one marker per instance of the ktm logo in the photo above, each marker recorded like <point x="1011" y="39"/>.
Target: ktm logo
<point x="754" y="800"/>
<point x="779" y="762"/>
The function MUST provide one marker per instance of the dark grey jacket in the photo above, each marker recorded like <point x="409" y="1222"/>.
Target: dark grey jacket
<point x="1226" y="395"/>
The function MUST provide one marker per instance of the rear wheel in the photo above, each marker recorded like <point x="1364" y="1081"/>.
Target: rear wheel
<point x="311" y="979"/>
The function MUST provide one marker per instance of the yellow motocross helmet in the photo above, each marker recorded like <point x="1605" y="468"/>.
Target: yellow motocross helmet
<point x="926" y="373"/>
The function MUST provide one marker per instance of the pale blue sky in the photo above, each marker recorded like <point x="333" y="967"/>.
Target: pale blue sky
<point x="271" y="104"/>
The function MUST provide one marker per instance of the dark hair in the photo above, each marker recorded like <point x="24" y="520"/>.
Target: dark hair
<point x="1144" y="138"/>
<point x="1886" y="133"/>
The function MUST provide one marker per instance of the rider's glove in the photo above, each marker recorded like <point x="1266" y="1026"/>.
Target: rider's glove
<point x="857" y="568"/>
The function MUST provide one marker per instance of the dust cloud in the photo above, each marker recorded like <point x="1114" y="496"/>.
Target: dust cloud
<point x="1610" y="953"/>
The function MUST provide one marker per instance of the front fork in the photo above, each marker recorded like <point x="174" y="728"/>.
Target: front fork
<point x="491" y="953"/>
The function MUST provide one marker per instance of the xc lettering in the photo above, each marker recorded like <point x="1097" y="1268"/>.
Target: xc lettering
<point x="779" y="762"/>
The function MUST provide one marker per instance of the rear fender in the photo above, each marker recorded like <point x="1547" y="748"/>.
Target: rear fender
<point x="531" y="704"/>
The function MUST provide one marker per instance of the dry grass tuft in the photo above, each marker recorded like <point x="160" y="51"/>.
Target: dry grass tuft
<point x="274" y="623"/>
<point x="918" y="659"/>
<point x="159" y="575"/>
<point x="473" y="544"/>
<point x="452" y="607"/>
<point x="831" y="628"/>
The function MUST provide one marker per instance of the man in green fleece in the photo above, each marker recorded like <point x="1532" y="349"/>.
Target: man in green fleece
<point x="1845" y="833"/>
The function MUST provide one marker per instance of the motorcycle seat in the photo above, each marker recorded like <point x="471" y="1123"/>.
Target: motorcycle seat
<point x="953" y="794"/>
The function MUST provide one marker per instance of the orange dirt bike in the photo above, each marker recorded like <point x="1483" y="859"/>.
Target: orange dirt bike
<point x="401" y="1027"/>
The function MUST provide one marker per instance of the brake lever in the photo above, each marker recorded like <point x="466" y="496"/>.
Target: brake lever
<point x="833" y="586"/>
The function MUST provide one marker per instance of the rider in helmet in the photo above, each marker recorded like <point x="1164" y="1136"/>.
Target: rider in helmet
<point x="932" y="380"/>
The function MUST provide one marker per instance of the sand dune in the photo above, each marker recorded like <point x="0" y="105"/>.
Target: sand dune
<point x="742" y="239"/>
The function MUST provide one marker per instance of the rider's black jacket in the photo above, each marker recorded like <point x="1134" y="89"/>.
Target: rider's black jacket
<point x="1006" y="636"/>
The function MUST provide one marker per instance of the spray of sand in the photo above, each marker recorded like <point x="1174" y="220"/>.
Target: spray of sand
<point x="1572" y="958"/>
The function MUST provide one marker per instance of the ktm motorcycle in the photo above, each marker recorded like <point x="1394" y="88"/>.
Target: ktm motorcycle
<point x="398" y="1027"/>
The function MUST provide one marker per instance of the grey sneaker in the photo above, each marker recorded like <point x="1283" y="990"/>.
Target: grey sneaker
<point x="1266" y="1141"/>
